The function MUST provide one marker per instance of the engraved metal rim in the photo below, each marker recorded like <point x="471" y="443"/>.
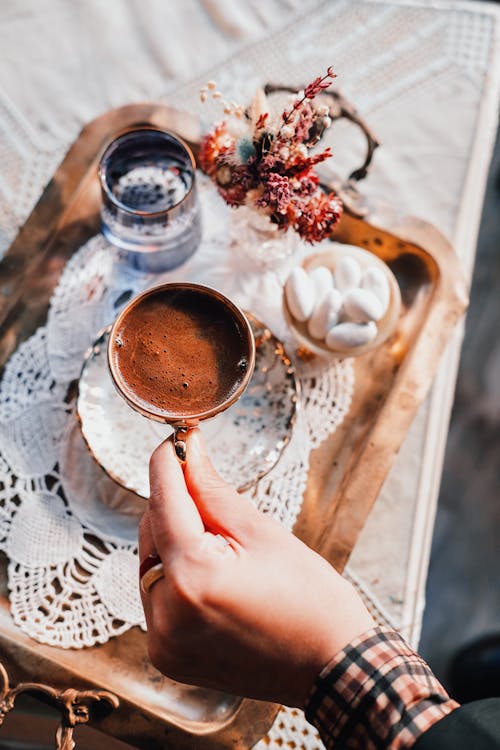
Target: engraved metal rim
<point x="258" y="325"/>
<point x="188" y="419"/>
<point x="137" y="212"/>
<point x="259" y="329"/>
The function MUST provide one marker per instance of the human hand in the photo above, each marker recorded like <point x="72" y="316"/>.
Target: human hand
<point x="259" y="615"/>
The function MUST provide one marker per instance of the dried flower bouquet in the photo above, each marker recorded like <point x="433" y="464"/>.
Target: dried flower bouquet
<point x="265" y="161"/>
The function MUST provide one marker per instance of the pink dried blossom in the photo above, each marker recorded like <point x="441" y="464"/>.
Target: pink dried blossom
<point x="304" y="123"/>
<point x="277" y="193"/>
<point x="270" y="163"/>
<point x="310" y="92"/>
<point x="319" y="84"/>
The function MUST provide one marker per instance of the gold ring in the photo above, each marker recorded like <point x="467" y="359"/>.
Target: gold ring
<point x="151" y="576"/>
<point x="149" y="562"/>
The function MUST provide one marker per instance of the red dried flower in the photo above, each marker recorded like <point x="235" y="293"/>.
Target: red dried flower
<point x="234" y="195"/>
<point x="300" y="165"/>
<point x="319" y="216"/>
<point x="308" y="182"/>
<point x="261" y="121"/>
<point x="212" y="146"/>
<point x="320" y="83"/>
<point x="235" y="183"/>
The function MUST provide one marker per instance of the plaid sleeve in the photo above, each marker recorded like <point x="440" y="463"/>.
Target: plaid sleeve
<point x="376" y="693"/>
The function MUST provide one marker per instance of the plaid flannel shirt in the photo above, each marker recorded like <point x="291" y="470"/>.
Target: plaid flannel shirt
<point x="376" y="693"/>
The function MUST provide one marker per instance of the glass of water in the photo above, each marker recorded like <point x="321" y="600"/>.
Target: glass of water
<point x="150" y="208"/>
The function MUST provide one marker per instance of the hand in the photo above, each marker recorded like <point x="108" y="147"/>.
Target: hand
<point x="259" y="615"/>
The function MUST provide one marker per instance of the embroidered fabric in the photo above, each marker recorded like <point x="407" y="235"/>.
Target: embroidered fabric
<point x="411" y="68"/>
<point x="73" y="558"/>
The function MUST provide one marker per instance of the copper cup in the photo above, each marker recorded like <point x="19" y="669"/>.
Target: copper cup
<point x="182" y="422"/>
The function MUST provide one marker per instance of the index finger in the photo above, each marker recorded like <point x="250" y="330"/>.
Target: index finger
<point x="175" y="520"/>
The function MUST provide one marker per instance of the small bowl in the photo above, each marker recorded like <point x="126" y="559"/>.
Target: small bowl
<point x="386" y="325"/>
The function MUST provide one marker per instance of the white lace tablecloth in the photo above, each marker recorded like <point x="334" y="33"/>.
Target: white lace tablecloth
<point x="424" y="75"/>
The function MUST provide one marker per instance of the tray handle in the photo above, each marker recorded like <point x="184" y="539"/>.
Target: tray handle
<point x="341" y="108"/>
<point x="74" y="705"/>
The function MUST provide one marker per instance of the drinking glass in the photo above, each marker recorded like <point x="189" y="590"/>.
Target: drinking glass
<point x="150" y="208"/>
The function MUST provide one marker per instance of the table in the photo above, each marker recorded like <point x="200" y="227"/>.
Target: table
<point x="402" y="88"/>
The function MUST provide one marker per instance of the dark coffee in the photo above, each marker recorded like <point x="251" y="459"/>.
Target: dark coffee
<point x="179" y="352"/>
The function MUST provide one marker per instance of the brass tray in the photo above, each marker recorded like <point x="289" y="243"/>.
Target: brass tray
<point x="346" y="472"/>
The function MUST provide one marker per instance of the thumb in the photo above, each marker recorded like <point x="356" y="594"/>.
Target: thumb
<point x="223" y="511"/>
<point x="175" y="520"/>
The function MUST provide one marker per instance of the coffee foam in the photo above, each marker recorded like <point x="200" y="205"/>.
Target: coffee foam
<point x="179" y="352"/>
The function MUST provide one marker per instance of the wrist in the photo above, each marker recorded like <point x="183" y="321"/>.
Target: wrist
<point x="376" y="684"/>
<point x="342" y="620"/>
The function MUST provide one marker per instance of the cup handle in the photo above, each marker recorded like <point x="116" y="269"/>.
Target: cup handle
<point x="180" y="437"/>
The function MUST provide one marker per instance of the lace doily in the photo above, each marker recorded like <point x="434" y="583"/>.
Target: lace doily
<point x="72" y="573"/>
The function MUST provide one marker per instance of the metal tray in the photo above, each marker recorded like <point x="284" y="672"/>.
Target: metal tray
<point x="347" y="470"/>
